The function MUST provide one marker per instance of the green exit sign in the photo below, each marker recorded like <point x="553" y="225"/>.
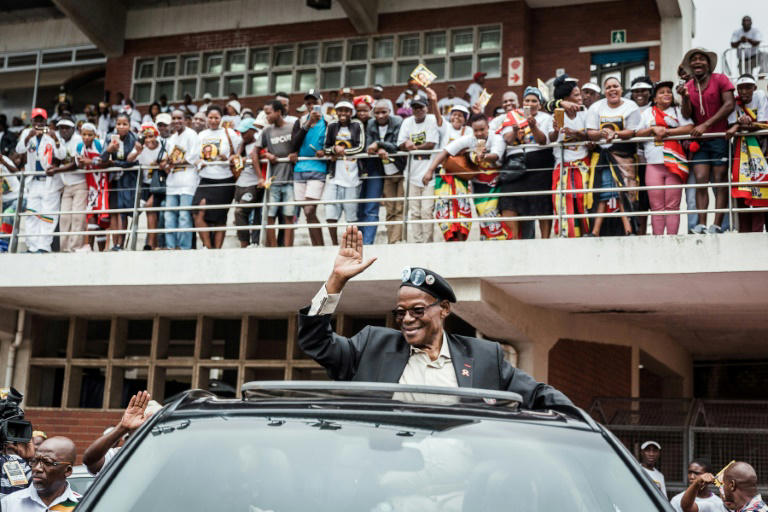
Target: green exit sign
<point x="618" y="36"/>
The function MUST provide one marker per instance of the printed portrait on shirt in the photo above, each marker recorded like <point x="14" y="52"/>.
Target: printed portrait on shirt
<point x="615" y="123"/>
<point x="177" y="155"/>
<point x="210" y="149"/>
<point x="419" y="138"/>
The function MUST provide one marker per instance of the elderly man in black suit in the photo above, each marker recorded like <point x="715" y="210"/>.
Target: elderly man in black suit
<point x="421" y="352"/>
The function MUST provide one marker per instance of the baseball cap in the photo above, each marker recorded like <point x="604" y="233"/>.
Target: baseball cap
<point x="246" y="124"/>
<point x="163" y="118"/>
<point x="207" y="96"/>
<point x="592" y="87"/>
<point x="419" y="100"/>
<point x="378" y="88"/>
<point x="343" y="104"/>
<point x="650" y="443"/>
<point x="65" y="122"/>
<point x="38" y="112"/>
<point x="461" y="108"/>
<point x="314" y="93"/>
<point x="479" y="74"/>
<point x="746" y="79"/>
<point x="640" y="85"/>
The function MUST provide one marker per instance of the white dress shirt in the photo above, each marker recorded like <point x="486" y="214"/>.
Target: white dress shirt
<point x="420" y="369"/>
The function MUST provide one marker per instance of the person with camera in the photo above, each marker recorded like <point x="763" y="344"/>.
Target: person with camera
<point x="15" y="472"/>
<point x="51" y="465"/>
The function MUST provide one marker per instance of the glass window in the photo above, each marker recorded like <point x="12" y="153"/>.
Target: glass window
<point x="233" y="84"/>
<point x="490" y="38"/>
<point x="358" y="50"/>
<point x="490" y="64"/>
<point x="189" y="64"/>
<point x="383" y="48"/>
<point x="332" y="52"/>
<point x="404" y="70"/>
<point x="258" y="85"/>
<point x="634" y="72"/>
<point x="437" y="66"/>
<point x="382" y="74"/>
<point x="142" y="93"/>
<point x="409" y="45"/>
<point x="306" y="80"/>
<point x="462" y="40"/>
<point x="331" y="78"/>
<point x="145" y="68"/>
<point x="434" y="43"/>
<point x="213" y="63"/>
<point x="236" y="61"/>
<point x="284" y="56"/>
<point x="188" y="86"/>
<point x="260" y="59"/>
<point x="211" y="85"/>
<point x="461" y="67"/>
<point x="308" y="54"/>
<point x="281" y="82"/>
<point x="356" y="76"/>
<point x="167" y="67"/>
<point x="164" y="88"/>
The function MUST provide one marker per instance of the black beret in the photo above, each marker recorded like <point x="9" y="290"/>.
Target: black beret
<point x="429" y="282"/>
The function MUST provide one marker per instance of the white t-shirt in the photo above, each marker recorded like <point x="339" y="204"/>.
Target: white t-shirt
<point x="419" y="133"/>
<point x="759" y="105"/>
<point x="449" y="134"/>
<point x="624" y="117"/>
<point x="446" y="104"/>
<point x="9" y="182"/>
<point x="183" y="148"/>
<point x="212" y="144"/>
<point x="495" y="145"/>
<point x="658" y="479"/>
<point x="389" y="167"/>
<point x="654" y="154"/>
<point x="346" y="174"/>
<point x="711" y="504"/>
<point x="147" y="158"/>
<point x="474" y="91"/>
<point x="249" y="178"/>
<point x="68" y="150"/>
<point x="746" y="47"/>
<point x="572" y="153"/>
<point x="543" y="123"/>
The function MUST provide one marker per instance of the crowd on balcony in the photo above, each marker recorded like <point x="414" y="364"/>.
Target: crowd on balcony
<point x="343" y="155"/>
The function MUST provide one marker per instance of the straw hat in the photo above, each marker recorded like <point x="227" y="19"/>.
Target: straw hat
<point x="712" y="56"/>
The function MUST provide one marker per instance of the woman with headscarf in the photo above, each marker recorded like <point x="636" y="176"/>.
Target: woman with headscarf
<point x="666" y="164"/>
<point x="530" y="125"/>
<point x="615" y="165"/>
<point x="571" y="162"/>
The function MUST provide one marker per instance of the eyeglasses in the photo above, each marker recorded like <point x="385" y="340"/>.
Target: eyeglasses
<point x="46" y="462"/>
<point x="416" y="312"/>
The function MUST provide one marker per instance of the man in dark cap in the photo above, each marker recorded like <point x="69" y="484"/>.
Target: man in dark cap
<point x="421" y="352"/>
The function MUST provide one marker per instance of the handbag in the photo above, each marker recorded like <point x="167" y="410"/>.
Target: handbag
<point x="513" y="168"/>
<point x="459" y="166"/>
<point x="157" y="183"/>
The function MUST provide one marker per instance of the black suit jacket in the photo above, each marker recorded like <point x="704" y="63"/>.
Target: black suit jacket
<point x="378" y="354"/>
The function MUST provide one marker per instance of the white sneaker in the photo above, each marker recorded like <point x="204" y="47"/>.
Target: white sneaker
<point x="699" y="229"/>
<point x="714" y="229"/>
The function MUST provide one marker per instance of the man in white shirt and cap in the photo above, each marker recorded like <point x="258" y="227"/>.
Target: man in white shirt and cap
<point x="649" y="457"/>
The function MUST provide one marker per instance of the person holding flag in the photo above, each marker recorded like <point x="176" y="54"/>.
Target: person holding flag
<point x="666" y="163"/>
<point x="749" y="163"/>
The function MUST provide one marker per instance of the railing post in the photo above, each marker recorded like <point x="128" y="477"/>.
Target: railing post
<point x="135" y="217"/>
<point x="265" y="206"/>
<point x="729" y="170"/>
<point x="563" y="232"/>
<point x="12" y="246"/>
<point x="406" y="188"/>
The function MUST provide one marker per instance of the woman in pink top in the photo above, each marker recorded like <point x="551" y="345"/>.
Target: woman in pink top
<point x="708" y="101"/>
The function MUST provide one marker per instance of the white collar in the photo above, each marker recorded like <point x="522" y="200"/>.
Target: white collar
<point x="445" y="352"/>
<point x="68" y="494"/>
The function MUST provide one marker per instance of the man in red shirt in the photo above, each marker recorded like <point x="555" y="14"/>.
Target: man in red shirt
<point x="708" y="100"/>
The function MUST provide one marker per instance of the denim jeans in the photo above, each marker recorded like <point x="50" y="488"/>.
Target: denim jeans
<point x="372" y="188"/>
<point x="178" y="219"/>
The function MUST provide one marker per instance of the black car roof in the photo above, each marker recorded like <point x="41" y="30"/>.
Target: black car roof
<point x="350" y="399"/>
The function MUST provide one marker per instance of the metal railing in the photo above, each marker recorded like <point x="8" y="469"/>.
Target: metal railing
<point x="717" y="430"/>
<point x="558" y="214"/>
<point x="737" y="61"/>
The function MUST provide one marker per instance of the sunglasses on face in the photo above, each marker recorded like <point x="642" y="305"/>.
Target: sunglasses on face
<point x="416" y="311"/>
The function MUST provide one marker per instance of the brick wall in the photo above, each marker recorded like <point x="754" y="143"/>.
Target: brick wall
<point x="584" y="370"/>
<point x="547" y="38"/>
<point x="82" y="426"/>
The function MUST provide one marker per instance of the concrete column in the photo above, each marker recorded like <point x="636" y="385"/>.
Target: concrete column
<point x="635" y="371"/>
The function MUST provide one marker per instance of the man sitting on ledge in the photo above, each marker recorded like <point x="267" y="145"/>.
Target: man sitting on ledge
<point x="421" y="352"/>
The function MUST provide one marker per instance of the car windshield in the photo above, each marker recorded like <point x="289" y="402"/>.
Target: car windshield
<point x="289" y="464"/>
